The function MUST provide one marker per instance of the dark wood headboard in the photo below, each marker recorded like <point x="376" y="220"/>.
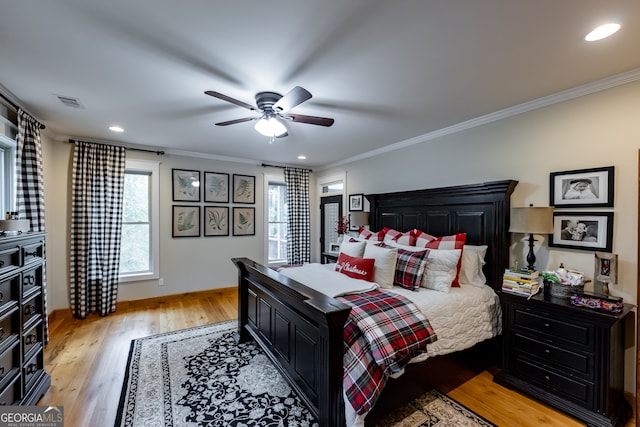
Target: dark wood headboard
<point x="480" y="210"/>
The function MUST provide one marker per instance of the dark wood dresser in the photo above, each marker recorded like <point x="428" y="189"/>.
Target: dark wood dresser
<point x="23" y="379"/>
<point x="568" y="357"/>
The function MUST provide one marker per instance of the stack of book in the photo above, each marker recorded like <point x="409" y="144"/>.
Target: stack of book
<point x="521" y="282"/>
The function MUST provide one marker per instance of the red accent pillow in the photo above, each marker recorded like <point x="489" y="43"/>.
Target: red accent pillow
<point x="358" y="268"/>
<point x="455" y="241"/>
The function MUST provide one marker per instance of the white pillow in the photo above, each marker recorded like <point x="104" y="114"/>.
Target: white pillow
<point x="384" y="265"/>
<point x="355" y="249"/>
<point x="472" y="261"/>
<point x="442" y="266"/>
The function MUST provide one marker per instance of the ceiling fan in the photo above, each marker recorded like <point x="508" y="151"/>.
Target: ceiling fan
<point x="274" y="111"/>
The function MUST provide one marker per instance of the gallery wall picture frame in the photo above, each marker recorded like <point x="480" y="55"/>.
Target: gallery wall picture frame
<point x="216" y="187"/>
<point x="356" y="202"/>
<point x="216" y="221"/>
<point x="185" y="185"/>
<point x="185" y="221"/>
<point x="244" y="189"/>
<point x="589" y="231"/>
<point x="582" y="188"/>
<point x="244" y="221"/>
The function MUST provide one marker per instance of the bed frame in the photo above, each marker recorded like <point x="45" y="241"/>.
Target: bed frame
<point x="301" y="330"/>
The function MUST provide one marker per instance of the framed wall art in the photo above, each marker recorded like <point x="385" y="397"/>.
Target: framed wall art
<point x="356" y="202"/>
<point x="216" y="187"/>
<point x="582" y="188"/>
<point x="244" y="221"/>
<point x="590" y="231"/>
<point x="216" y="221"/>
<point x="244" y="189"/>
<point x="185" y="185"/>
<point x="185" y="221"/>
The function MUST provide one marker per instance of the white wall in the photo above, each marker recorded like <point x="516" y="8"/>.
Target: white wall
<point x="600" y="129"/>
<point x="186" y="264"/>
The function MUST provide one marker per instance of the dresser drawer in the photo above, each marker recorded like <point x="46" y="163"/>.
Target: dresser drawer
<point x="570" y="388"/>
<point x="32" y="252"/>
<point x="31" y="368"/>
<point x="9" y="326"/>
<point x="32" y="310"/>
<point x="556" y="357"/>
<point x="9" y="290"/>
<point x="9" y="258"/>
<point x="31" y="279"/>
<point x="11" y="393"/>
<point x="569" y="331"/>
<point x="9" y="361"/>
<point x="32" y="338"/>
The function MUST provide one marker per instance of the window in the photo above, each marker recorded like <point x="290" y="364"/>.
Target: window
<point x="277" y="222"/>
<point x="140" y="230"/>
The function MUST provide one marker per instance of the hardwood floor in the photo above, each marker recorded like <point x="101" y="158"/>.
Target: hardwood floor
<point x="87" y="358"/>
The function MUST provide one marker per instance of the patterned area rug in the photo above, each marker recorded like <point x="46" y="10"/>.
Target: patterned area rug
<point x="201" y="377"/>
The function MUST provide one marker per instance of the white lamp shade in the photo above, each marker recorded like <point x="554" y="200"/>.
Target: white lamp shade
<point x="532" y="220"/>
<point x="270" y="127"/>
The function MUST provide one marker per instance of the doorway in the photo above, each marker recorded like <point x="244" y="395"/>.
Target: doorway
<point x="330" y="212"/>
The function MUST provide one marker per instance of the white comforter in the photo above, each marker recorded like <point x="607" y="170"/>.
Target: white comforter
<point x="461" y="318"/>
<point x="327" y="280"/>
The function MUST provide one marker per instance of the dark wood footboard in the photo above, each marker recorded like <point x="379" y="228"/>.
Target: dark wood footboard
<point x="301" y="331"/>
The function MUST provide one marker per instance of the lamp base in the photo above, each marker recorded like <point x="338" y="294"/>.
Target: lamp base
<point x="531" y="257"/>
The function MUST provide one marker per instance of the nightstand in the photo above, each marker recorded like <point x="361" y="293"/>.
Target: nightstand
<point x="329" y="257"/>
<point x="569" y="357"/>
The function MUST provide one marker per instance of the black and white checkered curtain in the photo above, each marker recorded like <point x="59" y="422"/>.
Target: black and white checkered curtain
<point x="96" y="223"/>
<point x="30" y="185"/>
<point x="298" y="228"/>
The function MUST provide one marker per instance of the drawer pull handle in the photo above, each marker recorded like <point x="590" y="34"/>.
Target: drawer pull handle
<point x="29" y="280"/>
<point x="1" y="371"/>
<point x="547" y="351"/>
<point x="1" y="263"/>
<point x="32" y="253"/>
<point x="1" y="333"/>
<point x="1" y="297"/>
<point x="547" y="378"/>
<point x="30" y="339"/>
<point x="29" y="309"/>
<point x="31" y="368"/>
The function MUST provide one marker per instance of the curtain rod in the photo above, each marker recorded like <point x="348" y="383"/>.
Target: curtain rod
<point x="266" y="165"/>
<point x="159" y="153"/>
<point x="17" y="107"/>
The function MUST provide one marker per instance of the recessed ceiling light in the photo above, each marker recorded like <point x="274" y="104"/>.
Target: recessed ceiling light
<point x="602" y="32"/>
<point x="302" y="157"/>
<point x="116" y="129"/>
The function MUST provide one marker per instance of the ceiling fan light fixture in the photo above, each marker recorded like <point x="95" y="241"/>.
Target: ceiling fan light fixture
<point x="270" y="126"/>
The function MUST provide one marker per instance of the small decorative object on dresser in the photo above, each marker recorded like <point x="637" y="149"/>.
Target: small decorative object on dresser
<point x="569" y="357"/>
<point x="23" y="379"/>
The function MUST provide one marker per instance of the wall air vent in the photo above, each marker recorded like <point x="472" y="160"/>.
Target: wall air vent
<point x="69" y="101"/>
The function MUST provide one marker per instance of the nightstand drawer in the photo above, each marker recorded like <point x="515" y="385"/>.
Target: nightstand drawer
<point x="573" y="332"/>
<point x="569" y="388"/>
<point x="556" y="357"/>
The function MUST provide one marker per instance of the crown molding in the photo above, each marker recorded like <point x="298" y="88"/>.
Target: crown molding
<point x="556" y="98"/>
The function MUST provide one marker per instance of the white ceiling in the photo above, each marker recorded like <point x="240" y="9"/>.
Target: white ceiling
<point x="387" y="72"/>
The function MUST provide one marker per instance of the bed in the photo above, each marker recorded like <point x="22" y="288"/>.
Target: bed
<point x="301" y="329"/>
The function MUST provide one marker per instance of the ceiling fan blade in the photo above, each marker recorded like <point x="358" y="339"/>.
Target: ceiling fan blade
<point x="233" y="122"/>
<point x="231" y="100"/>
<point x="313" y="120"/>
<point x="295" y="96"/>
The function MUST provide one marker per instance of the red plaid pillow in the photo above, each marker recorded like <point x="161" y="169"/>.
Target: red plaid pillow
<point x="450" y="242"/>
<point x="410" y="267"/>
<point x="414" y="237"/>
<point x="358" y="268"/>
<point x="372" y="235"/>
<point x="422" y="238"/>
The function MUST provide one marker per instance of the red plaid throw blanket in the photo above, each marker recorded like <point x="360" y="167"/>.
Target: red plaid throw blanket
<point x="383" y="333"/>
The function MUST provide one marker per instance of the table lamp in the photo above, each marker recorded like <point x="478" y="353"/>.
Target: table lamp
<point x="532" y="220"/>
